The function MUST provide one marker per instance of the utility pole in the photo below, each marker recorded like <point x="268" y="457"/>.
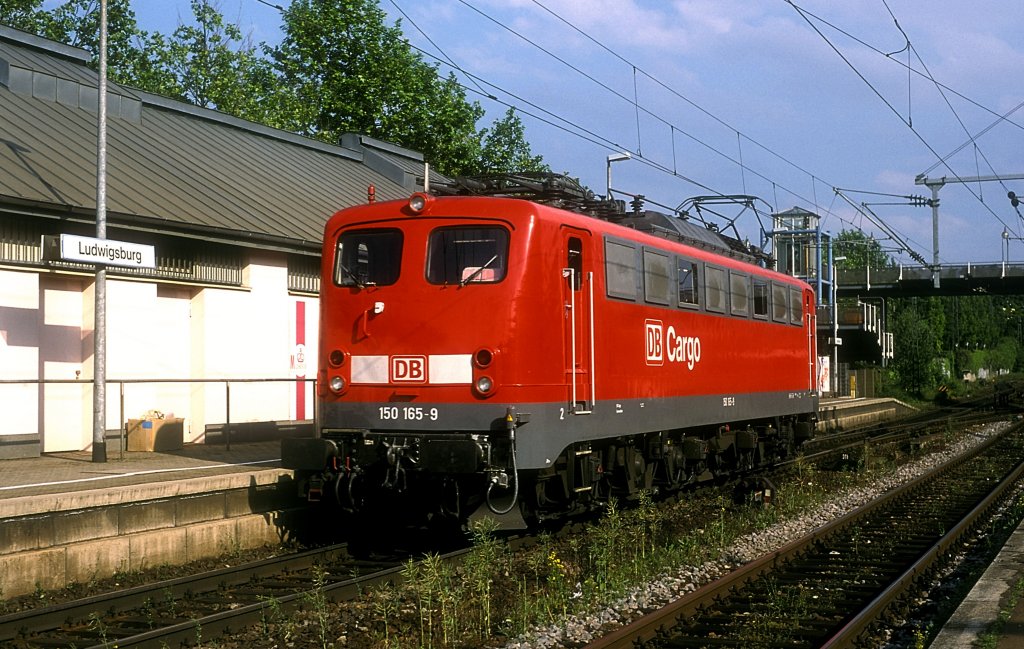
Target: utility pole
<point x="935" y="184"/>
<point x="99" y="357"/>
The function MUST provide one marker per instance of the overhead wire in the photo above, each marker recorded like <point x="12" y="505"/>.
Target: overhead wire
<point x="640" y="108"/>
<point x="963" y="126"/>
<point x="562" y="123"/>
<point x="427" y="36"/>
<point x="871" y="47"/>
<point x="942" y="89"/>
<point x="600" y="140"/>
<point x="576" y="130"/>
<point x="887" y="103"/>
<point x="739" y="134"/>
<point x="558" y="122"/>
<point x="971" y="139"/>
<point x="673" y="91"/>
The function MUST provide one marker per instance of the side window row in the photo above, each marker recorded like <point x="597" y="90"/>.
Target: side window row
<point x="671" y="280"/>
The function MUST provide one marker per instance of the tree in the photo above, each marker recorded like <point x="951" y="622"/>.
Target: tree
<point x="860" y="250"/>
<point x="346" y="70"/>
<point x="914" y="352"/>
<point x="76" y="23"/>
<point x="505" y="148"/>
<point x="26" y="15"/>
<point x="339" y="68"/>
<point x="1003" y="355"/>
<point x="211" y="65"/>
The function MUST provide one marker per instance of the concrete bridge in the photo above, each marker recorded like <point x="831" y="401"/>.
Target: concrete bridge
<point x="999" y="278"/>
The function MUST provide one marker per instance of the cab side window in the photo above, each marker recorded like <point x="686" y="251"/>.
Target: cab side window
<point x="716" y="289"/>
<point x="620" y="269"/>
<point x="687" y="282"/>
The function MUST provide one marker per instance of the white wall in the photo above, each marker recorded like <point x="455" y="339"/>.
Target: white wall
<point x="41" y="337"/>
<point x="148" y="337"/>
<point x="154" y="331"/>
<point x="20" y="330"/>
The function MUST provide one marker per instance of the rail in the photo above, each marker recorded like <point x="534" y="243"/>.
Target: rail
<point x="122" y="383"/>
<point x="650" y="629"/>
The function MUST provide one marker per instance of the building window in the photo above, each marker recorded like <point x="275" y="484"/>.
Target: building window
<point x="303" y="274"/>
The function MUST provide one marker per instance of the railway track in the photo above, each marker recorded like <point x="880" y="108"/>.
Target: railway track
<point x="869" y="562"/>
<point x="176" y="612"/>
<point x="910" y="434"/>
<point x="173" y="612"/>
<point x="846" y="583"/>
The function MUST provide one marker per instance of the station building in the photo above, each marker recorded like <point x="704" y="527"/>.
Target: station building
<point x="235" y="213"/>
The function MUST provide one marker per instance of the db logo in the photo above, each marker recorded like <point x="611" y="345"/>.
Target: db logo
<point x="408" y="369"/>
<point x="655" y="342"/>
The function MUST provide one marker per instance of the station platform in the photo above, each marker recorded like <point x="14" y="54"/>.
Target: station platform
<point x="66" y="519"/>
<point x="146" y="471"/>
<point x="849" y="412"/>
<point x="149" y="474"/>
<point x="986" y="601"/>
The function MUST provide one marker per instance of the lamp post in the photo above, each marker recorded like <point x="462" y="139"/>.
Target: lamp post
<point x="99" y="398"/>
<point x="1005" y="249"/>
<point x="615" y="157"/>
<point x="835" y="327"/>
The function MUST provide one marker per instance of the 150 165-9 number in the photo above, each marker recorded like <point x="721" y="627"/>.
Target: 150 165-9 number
<point x="407" y="413"/>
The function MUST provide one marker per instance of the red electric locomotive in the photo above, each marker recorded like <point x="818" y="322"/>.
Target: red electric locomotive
<point x="479" y="350"/>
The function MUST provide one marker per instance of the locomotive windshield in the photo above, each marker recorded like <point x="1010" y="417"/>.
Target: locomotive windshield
<point x="368" y="258"/>
<point x="466" y="255"/>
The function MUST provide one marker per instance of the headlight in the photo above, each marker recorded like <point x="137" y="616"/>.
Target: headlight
<point x="483" y="357"/>
<point x="484" y="385"/>
<point x="336" y="358"/>
<point x="337" y="383"/>
<point x="419" y="201"/>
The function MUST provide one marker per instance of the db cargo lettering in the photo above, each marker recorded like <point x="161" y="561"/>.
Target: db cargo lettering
<point x="662" y="344"/>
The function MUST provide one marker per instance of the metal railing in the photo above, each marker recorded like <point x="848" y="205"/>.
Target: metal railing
<point x="122" y="383"/>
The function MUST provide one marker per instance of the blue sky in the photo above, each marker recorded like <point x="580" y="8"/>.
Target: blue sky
<point x="691" y="88"/>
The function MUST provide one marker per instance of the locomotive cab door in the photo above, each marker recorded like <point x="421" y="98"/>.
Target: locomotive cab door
<point x="578" y="300"/>
<point x="810" y="322"/>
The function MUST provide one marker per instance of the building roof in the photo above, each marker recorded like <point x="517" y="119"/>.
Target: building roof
<point x="172" y="166"/>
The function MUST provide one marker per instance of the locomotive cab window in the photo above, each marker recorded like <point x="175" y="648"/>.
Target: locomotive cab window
<point x="686" y="276"/>
<point x="574" y="261"/>
<point x="368" y="258"/>
<point x="464" y="255"/>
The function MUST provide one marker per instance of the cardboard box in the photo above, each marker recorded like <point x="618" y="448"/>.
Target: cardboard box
<point x="156" y="434"/>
